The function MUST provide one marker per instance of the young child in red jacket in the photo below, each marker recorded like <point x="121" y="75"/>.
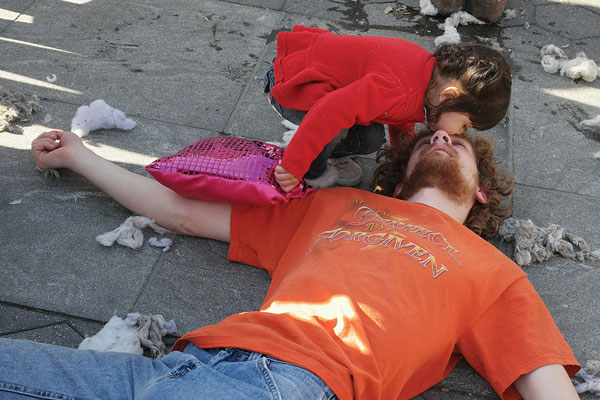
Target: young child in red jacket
<point x="341" y="89"/>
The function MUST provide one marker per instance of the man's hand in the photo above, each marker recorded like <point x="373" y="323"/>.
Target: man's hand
<point x="286" y="180"/>
<point x="56" y="149"/>
<point x="142" y="195"/>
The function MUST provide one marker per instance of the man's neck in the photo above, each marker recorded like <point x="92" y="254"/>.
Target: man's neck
<point x="437" y="199"/>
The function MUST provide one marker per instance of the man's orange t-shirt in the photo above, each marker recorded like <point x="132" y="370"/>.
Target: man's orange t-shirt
<point x="380" y="297"/>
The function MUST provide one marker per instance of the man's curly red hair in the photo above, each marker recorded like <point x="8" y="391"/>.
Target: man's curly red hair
<point x="483" y="219"/>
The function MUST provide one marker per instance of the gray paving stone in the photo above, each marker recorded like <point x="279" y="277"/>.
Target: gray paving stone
<point x="11" y="11"/>
<point x="91" y="281"/>
<point x="592" y="6"/>
<point x="215" y="46"/>
<point x="551" y="150"/>
<point x="253" y="116"/>
<point x="444" y="393"/>
<point x="134" y="149"/>
<point x="15" y="319"/>
<point x="253" y="109"/>
<point x="525" y="13"/>
<point x="465" y="379"/>
<point x="271" y="4"/>
<point x="525" y="46"/>
<point x="403" y="17"/>
<point x="60" y="335"/>
<point x="348" y="13"/>
<point x="565" y="284"/>
<point x="540" y="2"/>
<point x="195" y="285"/>
<point x="568" y="20"/>
<point x="86" y="328"/>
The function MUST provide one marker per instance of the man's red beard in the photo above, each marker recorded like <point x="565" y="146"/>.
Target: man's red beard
<point x="441" y="172"/>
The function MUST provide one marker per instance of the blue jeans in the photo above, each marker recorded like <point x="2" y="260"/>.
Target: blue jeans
<point x="361" y="139"/>
<point x="30" y="370"/>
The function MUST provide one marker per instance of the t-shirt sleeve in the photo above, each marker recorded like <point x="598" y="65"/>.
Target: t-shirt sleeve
<point x="514" y="336"/>
<point x="260" y="235"/>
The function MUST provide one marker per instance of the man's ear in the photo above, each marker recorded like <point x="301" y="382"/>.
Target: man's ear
<point x="449" y="92"/>
<point x="481" y="195"/>
<point x="398" y="191"/>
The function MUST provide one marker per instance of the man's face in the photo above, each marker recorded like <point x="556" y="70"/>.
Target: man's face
<point x="442" y="161"/>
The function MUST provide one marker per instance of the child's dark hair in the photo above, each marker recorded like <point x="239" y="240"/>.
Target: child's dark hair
<point x="485" y="78"/>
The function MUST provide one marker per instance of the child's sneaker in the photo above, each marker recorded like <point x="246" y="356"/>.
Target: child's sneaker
<point x="328" y="179"/>
<point x="349" y="173"/>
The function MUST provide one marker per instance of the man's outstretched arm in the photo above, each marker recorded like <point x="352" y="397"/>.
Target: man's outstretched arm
<point x="144" y="196"/>
<point x="546" y="383"/>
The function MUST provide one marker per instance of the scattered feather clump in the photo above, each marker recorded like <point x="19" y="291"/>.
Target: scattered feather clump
<point x="588" y="378"/>
<point x="129" y="233"/>
<point x="15" y="107"/>
<point x="535" y="244"/>
<point x="581" y="67"/>
<point x="451" y="34"/>
<point x="592" y="123"/>
<point x="115" y="336"/>
<point x="427" y="8"/>
<point x="510" y="13"/>
<point x="131" y="335"/>
<point x="99" y="115"/>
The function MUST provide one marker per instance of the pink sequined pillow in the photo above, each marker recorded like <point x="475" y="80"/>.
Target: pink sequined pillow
<point x="226" y="169"/>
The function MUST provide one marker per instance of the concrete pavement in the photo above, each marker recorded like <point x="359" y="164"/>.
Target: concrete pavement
<point x="187" y="70"/>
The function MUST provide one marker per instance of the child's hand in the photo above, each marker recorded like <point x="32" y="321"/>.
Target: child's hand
<point x="286" y="180"/>
<point x="55" y="149"/>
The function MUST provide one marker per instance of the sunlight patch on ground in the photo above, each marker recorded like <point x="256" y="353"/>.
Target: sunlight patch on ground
<point x="111" y="153"/>
<point x="116" y="154"/>
<point x="15" y="16"/>
<point x="35" y="82"/>
<point x="40" y="46"/>
<point x="584" y="95"/>
<point x="589" y="3"/>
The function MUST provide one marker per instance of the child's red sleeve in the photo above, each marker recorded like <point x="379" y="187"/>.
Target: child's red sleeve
<point x="360" y="102"/>
<point x="299" y="28"/>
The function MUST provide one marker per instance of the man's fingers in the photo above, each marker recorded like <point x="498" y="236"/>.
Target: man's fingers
<point x="45" y="143"/>
<point x="54" y="134"/>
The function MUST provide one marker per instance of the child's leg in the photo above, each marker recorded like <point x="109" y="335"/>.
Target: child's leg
<point x="294" y="116"/>
<point x="319" y="165"/>
<point x="361" y="140"/>
<point x="345" y="172"/>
